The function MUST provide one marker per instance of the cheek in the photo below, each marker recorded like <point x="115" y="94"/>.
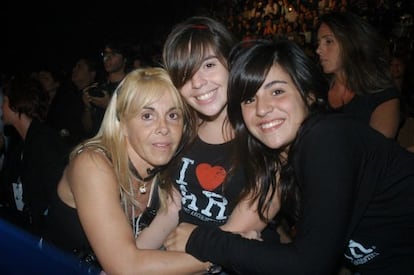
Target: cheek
<point x="248" y="117"/>
<point x="185" y="91"/>
<point x="177" y="130"/>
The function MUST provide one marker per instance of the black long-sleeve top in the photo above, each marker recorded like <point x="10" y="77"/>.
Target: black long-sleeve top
<point x="358" y="190"/>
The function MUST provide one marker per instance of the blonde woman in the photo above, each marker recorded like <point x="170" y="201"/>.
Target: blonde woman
<point x="111" y="177"/>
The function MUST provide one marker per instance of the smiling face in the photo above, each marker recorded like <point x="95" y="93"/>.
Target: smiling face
<point x="276" y="111"/>
<point x="328" y="50"/>
<point x="206" y="91"/>
<point x="154" y="134"/>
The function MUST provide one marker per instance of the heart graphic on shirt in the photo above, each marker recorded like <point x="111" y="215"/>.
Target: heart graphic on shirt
<point x="210" y="176"/>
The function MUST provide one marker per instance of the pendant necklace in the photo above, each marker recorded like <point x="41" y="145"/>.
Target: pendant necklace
<point x="142" y="181"/>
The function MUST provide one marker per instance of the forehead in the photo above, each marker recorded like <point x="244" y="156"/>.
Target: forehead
<point x="324" y="30"/>
<point x="162" y="101"/>
<point x="276" y="72"/>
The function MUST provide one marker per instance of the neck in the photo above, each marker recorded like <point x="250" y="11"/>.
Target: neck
<point x="216" y="130"/>
<point x="150" y="172"/>
<point x="22" y="126"/>
<point x="116" y="76"/>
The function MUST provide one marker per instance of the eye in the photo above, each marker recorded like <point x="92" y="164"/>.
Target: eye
<point x="146" y="116"/>
<point x="174" y="115"/>
<point x="210" y="65"/>
<point x="248" y="101"/>
<point x="277" y="92"/>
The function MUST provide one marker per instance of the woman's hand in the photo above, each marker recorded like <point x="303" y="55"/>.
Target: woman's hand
<point x="177" y="239"/>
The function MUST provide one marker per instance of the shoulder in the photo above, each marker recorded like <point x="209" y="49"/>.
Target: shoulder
<point x="385" y="95"/>
<point x="329" y="124"/>
<point x="90" y="161"/>
<point x="329" y="131"/>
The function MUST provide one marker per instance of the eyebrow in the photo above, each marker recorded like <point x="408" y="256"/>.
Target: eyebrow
<point x="210" y="57"/>
<point x="153" y="109"/>
<point x="328" y="35"/>
<point x="271" y="83"/>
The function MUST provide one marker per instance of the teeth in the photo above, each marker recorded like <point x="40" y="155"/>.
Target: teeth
<point x="205" y="96"/>
<point x="271" y="124"/>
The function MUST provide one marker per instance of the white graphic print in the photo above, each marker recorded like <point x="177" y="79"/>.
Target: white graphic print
<point x="360" y="254"/>
<point x="214" y="206"/>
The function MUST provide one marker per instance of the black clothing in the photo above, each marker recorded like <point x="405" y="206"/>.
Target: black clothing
<point x="361" y="107"/>
<point x="357" y="198"/>
<point x="207" y="197"/>
<point x="9" y="175"/>
<point x="65" y="116"/>
<point x="97" y="113"/>
<point x="43" y="160"/>
<point x="63" y="227"/>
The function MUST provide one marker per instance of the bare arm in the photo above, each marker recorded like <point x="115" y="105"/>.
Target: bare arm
<point x="96" y="196"/>
<point x="163" y="223"/>
<point x="386" y="118"/>
<point x="245" y="217"/>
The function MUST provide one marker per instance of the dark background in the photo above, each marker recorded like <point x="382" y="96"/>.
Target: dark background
<point x="54" y="33"/>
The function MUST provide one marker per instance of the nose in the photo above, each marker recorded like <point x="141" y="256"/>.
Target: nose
<point x="162" y="127"/>
<point x="318" y="50"/>
<point x="263" y="107"/>
<point x="198" y="80"/>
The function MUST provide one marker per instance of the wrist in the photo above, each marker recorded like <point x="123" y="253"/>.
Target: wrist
<point x="213" y="269"/>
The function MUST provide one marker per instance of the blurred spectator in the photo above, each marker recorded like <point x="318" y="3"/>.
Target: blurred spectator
<point x="65" y="107"/>
<point x="86" y="79"/>
<point x="116" y="61"/>
<point x="44" y="153"/>
<point x="401" y="73"/>
<point x="354" y="56"/>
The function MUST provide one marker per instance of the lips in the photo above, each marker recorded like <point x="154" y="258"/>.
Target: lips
<point x="271" y="124"/>
<point x="162" y="145"/>
<point x="206" y="96"/>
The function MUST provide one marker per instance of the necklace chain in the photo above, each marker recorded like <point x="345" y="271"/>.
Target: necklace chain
<point x="141" y="181"/>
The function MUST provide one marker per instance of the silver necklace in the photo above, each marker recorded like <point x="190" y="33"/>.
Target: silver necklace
<point x="142" y="181"/>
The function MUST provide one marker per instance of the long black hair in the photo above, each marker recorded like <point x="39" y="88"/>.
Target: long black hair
<point x="250" y="63"/>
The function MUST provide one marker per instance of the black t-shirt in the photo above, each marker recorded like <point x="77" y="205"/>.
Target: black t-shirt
<point x="207" y="195"/>
<point x="362" y="107"/>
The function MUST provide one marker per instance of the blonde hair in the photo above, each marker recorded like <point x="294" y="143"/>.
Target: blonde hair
<point x="137" y="89"/>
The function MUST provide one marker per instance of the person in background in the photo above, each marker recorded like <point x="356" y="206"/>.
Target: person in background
<point x="65" y="107"/>
<point x="113" y="177"/>
<point x="345" y="188"/>
<point x="116" y="65"/>
<point x="43" y="155"/>
<point x="354" y="57"/>
<point x="401" y="74"/>
<point x="87" y="81"/>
